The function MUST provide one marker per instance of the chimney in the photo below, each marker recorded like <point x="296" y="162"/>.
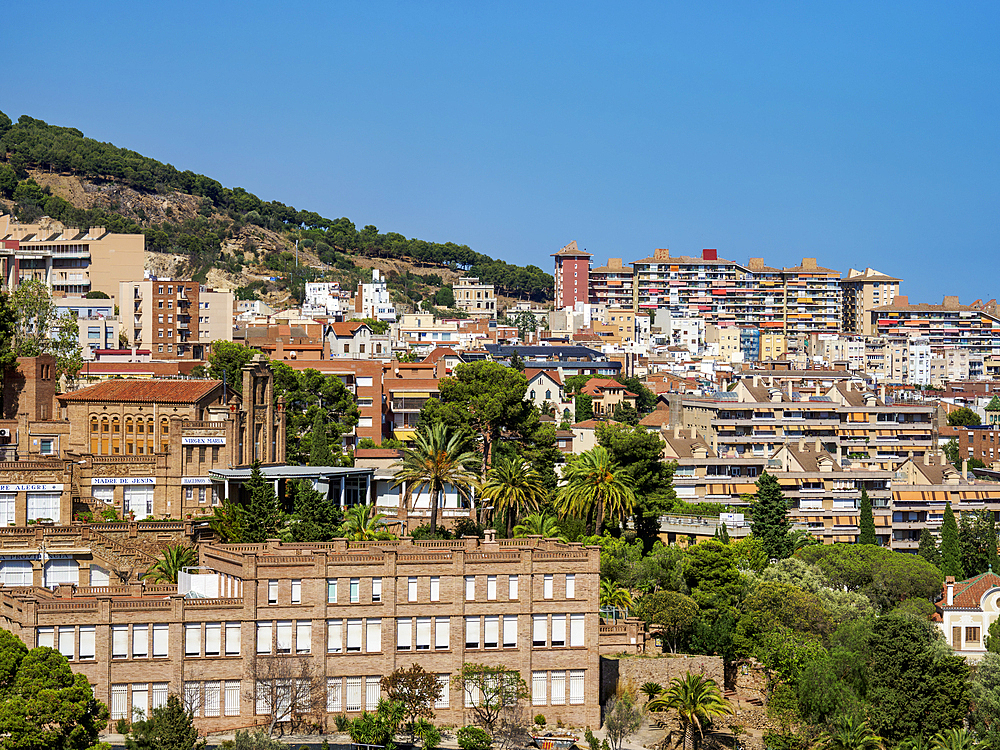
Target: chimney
<point x="694" y="433"/>
<point x="489" y="535"/>
<point x="927" y="458"/>
<point x="709" y="254"/>
<point x="756" y="381"/>
<point x="677" y="431"/>
<point x="809" y="263"/>
<point x="950" y="302"/>
<point x="661" y="253"/>
<point x="715" y="444"/>
<point x="949" y="584"/>
<point x="965" y="468"/>
<point x="802" y="445"/>
<point x="819" y="445"/>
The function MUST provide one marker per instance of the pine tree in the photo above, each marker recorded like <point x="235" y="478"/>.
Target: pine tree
<point x="262" y="517"/>
<point x="770" y="518"/>
<point x="991" y="550"/>
<point x="867" y="522"/>
<point x="951" y="550"/>
<point x="169" y="727"/>
<point x="928" y="548"/>
<point x="319" y="448"/>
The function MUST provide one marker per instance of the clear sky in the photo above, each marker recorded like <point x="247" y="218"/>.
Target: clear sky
<point x="859" y="133"/>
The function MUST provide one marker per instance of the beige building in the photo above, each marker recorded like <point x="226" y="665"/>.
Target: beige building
<point x="863" y="291"/>
<point x="67" y="259"/>
<point x="726" y="340"/>
<point x="175" y="319"/>
<point x="330" y="620"/>
<point x="477" y="299"/>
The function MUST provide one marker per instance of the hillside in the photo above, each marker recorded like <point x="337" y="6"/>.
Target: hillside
<point x="227" y="237"/>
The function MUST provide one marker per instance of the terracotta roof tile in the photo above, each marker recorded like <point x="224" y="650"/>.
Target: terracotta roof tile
<point x="969" y="593"/>
<point x="146" y="391"/>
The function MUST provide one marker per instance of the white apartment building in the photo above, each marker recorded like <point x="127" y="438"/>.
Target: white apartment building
<point x="682" y="330"/>
<point x="373" y="300"/>
<point x="325" y="299"/>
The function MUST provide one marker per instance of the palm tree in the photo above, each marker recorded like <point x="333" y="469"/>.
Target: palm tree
<point x="849" y="734"/>
<point x="362" y="523"/>
<point x="651" y="690"/>
<point x="956" y="739"/>
<point x="172" y="561"/>
<point x="614" y="595"/>
<point x="513" y="485"/>
<point x="697" y="699"/>
<point x="539" y="524"/>
<point x="438" y="458"/>
<point x="596" y="487"/>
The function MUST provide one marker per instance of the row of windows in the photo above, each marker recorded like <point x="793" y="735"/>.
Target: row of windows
<point x="430" y="588"/>
<point x="550" y="688"/>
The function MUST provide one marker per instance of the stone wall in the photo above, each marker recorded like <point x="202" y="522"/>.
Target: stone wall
<point x="662" y="668"/>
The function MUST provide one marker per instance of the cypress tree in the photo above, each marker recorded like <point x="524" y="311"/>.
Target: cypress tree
<point x="928" y="548"/>
<point x="991" y="549"/>
<point x="867" y="522"/>
<point x="770" y="518"/>
<point x="262" y="517"/>
<point x="319" y="447"/>
<point x="951" y="550"/>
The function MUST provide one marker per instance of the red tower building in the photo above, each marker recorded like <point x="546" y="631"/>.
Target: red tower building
<point x="572" y="276"/>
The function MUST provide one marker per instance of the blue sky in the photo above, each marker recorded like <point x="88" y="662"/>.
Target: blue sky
<point x="858" y="133"/>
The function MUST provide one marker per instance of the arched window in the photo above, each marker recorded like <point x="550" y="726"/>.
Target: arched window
<point x="150" y="435"/>
<point x="129" y="436"/>
<point x="105" y="436"/>
<point x="95" y="437"/>
<point x="164" y="434"/>
<point x="532" y="395"/>
<point x="116" y="436"/>
<point x="548" y="395"/>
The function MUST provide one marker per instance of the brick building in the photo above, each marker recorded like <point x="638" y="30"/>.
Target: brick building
<point x="336" y="616"/>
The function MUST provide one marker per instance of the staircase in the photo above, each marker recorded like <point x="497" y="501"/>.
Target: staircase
<point x="125" y="558"/>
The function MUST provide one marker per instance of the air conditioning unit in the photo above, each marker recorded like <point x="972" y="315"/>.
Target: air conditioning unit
<point x="4" y="433"/>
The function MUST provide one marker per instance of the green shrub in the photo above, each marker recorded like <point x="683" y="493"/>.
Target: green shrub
<point x="341" y="722"/>
<point x="540" y="720"/>
<point x="473" y="738"/>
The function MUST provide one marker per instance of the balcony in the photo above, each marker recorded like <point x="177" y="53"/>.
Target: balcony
<point x="407" y="404"/>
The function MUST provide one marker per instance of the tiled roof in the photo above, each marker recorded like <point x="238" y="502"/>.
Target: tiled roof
<point x="658" y="418"/>
<point x="146" y="391"/>
<point x="346" y="329"/>
<point x="969" y="593"/>
<point x="572" y="249"/>
<point x="531" y="373"/>
<point x="591" y="424"/>
<point x="378" y="453"/>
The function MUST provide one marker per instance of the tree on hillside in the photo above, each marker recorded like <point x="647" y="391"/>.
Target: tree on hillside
<point x="310" y="395"/>
<point x="645" y="400"/>
<point x="43" y="704"/>
<point x="169" y="727"/>
<point x="416" y="690"/>
<point x="625" y="413"/>
<point x="770" y="517"/>
<point x="262" y="515"/>
<point x="171" y="562"/>
<point x="963" y="417"/>
<point x="867" y="520"/>
<point x="977" y="538"/>
<point x="596" y="489"/>
<point x="42" y="329"/>
<point x="951" y="548"/>
<point x="697" y="700"/>
<point x="513" y="487"/>
<point x="319" y="447"/>
<point x="928" y="548"/>
<point x="670" y="615"/>
<point x="583" y="407"/>
<point x="314" y="518"/>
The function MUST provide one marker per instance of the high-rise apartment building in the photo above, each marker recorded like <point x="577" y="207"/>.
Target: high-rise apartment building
<point x="175" y="319"/>
<point x="863" y="291"/>
<point x="949" y="325"/>
<point x="611" y="285"/>
<point x="572" y="276"/>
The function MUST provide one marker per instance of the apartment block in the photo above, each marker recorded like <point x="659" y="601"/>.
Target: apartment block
<point x="175" y="319"/>
<point x="863" y="291"/>
<point x="611" y="285"/>
<point x="949" y="325"/>
<point x="339" y="615"/>
<point x="373" y="300"/>
<point x="572" y="276"/>
<point x="67" y="259"/>
<point x="477" y="299"/>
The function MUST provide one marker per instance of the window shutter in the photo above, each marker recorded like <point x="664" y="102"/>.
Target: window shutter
<point x="88" y="639"/>
<point x="435" y="589"/>
<point x="491" y="587"/>
<point x="67" y="641"/>
<point x="119" y="701"/>
<point x="161" y="637"/>
<point x="140" y="641"/>
<point x="284" y="636"/>
<point x="159" y="694"/>
<point x="213" y="638"/>
<point x="47" y="636"/>
<point x="233" y="635"/>
<point x="355" y="686"/>
<point x="376" y="589"/>
<point x="192" y="639"/>
<point x="263" y="637"/>
<point x="470" y="588"/>
<point x="423" y="633"/>
<point x="303" y="637"/>
<point x="558" y="630"/>
<point x="539" y="626"/>
<point x="212" y="697"/>
<point x="570" y="586"/>
<point x="411" y="589"/>
<point x="373" y="643"/>
<point x="232" y="692"/>
<point x="547" y="586"/>
<point x="472" y="632"/>
<point x="538" y="688"/>
<point x="442" y="701"/>
<point x="512" y="587"/>
<point x="354" y="635"/>
<point x="404" y="634"/>
<point x="491" y="627"/>
<point x="576" y="630"/>
<point x="576" y="686"/>
<point x="510" y="631"/>
<point x="333" y="701"/>
<point x="334" y="636"/>
<point x="558" y="688"/>
<point x="372" y="692"/>
<point x="442" y="632"/>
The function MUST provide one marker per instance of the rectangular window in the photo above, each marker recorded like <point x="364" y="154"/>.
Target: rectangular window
<point x="510" y="631"/>
<point x="355" y="590"/>
<point x="334" y="636"/>
<point x="512" y="587"/>
<point x="161" y="639"/>
<point x="284" y="630"/>
<point x="442" y="632"/>
<point x="539" y="626"/>
<point x="296" y="591"/>
<point x="355" y="688"/>
<point x="331" y="590"/>
<point x="262" y="697"/>
<point x="119" y="701"/>
<point x="354" y="636"/>
<point x="372" y="691"/>
<point x="558" y="688"/>
<point x="87" y="641"/>
<point x="192" y="639"/>
<point x="472" y="632"/>
<point x="972" y="635"/>
<point x="570" y="585"/>
<point x="491" y="631"/>
<point x="491" y="588"/>
<point x="442" y="701"/>
<point x="213" y="690"/>
<point x="411" y="589"/>
<point x="404" y="634"/>
<point x="576" y="629"/>
<point x="140" y="641"/>
<point x="470" y="588"/>
<point x="303" y="637"/>
<point x="558" y="630"/>
<point x="576" y="686"/>
<point x="263" y="637"/>
<point x="67" y="641"/>
<point x="232" y="639"/>
<point x="333" y="699"/>
<point x="119" y="641"/>
<point x="159" y="692"/>
<point x="376" y="590"/>
<point x="232" y="691"/>
<point x="538" y="684"/>
<point x="213" y="638"/>
<point x="435" y="588"/>
<point x="423" y="633"/>
<point x="547" y="586"/>
<point x="272" y="592"/>
<point x="192" y="697"/>
<point x="373" y="636"/>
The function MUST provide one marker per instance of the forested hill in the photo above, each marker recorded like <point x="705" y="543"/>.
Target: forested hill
<point x="221" y="212"/>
